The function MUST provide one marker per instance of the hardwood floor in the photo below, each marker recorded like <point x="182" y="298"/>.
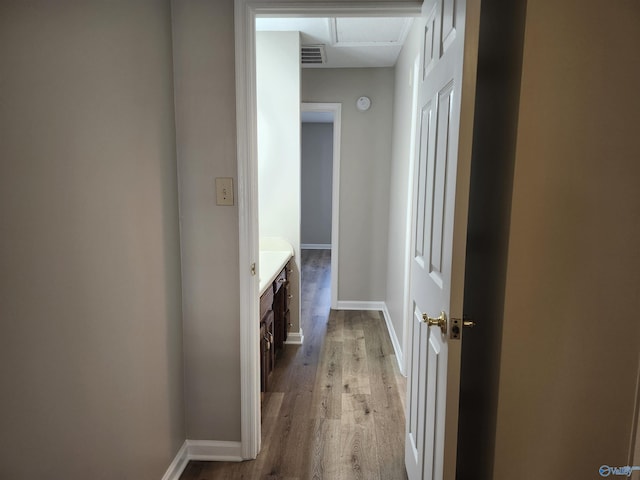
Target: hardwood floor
<point x="336" y="406"/>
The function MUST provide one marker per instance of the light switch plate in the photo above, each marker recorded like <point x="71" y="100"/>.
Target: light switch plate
<point x="224" y="191"/>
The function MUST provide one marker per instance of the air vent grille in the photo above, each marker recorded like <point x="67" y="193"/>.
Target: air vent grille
<point x="313" y="55"/>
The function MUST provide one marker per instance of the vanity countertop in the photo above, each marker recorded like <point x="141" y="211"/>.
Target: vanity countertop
<point x="274" y="255"/>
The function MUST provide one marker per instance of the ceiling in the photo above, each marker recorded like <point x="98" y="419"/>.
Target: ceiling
<point x="347" y="41"/>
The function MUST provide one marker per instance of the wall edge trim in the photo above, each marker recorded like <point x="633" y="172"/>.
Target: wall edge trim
<point x="178" y="464"/>
<point x="358" y="305"/>
<point x="214" y="450"/>
<point x="394" y="339"/>
<point x="207" y="450"/>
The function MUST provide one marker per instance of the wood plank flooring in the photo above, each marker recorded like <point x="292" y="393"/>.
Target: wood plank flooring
<point x="335" y="409"/>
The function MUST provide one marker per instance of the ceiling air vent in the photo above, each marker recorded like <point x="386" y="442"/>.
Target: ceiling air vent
<point x="313" y="55"/>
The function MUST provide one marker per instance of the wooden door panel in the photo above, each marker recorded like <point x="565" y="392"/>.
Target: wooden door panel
<point x="422" y="206"/>
<point x="431" y="406"/>
<point x="418" y="388"/>
<point x="437" y="186"/>
<point x="439" y="205"/>
<point x="430" y="41"/>
<point x="448" y="35"/>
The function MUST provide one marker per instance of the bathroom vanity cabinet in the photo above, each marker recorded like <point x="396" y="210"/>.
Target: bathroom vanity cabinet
<point x="274" y="323"/>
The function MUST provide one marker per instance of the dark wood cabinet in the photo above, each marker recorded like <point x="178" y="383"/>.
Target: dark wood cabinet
<point x="280" y="286"/>
<point x="267" y="352"/>
<point x="286" y="298"/>
<point x="274" y="324"/>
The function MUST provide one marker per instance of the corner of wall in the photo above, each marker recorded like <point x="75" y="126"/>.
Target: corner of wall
<point x="394" y="339"/>
<point x="178" y="464"/>
<point x="202" y="450"/>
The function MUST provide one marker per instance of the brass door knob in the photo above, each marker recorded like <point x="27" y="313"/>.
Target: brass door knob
<point x="440" y="321"/>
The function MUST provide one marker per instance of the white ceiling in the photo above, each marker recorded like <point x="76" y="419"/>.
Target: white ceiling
<point x="348" y="41"/>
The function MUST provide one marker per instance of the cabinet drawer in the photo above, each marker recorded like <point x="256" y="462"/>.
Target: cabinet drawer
<point x="280" y="281"/>
<point x="266" y="302"/>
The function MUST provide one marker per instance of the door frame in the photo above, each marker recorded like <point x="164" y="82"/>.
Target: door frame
<point x="336" y="110"/>
<point x="245" y="13"/>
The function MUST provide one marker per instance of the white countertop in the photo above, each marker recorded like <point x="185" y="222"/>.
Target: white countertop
<point x="274" y="255"/>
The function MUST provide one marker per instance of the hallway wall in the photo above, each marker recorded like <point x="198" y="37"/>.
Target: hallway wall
<point x="316" y="183"/>
<point x="400" y="188"/>
<point x="364" y="173"/>
<point x="203" y="58"/>
<point x="90" y="296"/>
<point x="571" y="336"/>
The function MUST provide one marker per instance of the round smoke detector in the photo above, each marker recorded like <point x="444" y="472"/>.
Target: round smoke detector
<point x="363" y="104"/>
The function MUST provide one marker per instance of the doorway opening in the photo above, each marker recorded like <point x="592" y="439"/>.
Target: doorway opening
<point x="246" y="12"/>
<point x="320" y="179"/>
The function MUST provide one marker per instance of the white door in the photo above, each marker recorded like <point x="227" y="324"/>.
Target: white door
<point x="441" y="190"/>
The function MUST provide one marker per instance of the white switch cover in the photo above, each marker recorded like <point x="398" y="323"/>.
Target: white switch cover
<point x="224" y="191"/>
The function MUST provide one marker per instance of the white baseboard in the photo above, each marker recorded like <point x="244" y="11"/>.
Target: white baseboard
<point x="381" y="307"/>
<point x="315" y="246"/>
<point x="178" y="465"/>
<point x="394" y="339"/>
<point x="214" y="450"/>
<point x="295" y="338"/>
<point x="208" y="450"/>
<point x="343" y="305"/>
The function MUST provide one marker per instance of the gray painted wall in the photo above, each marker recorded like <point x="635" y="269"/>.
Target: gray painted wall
<point x="399" y="197"/>
<point x="571" y="335"/>
<point x="316" y="182"/>
<point x="204" y="59"/>
<point x="365" y="156"/>
<point x="90" y="333"/>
